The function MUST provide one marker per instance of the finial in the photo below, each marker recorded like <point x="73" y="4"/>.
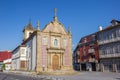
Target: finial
<point x="69" y="29"/>
<point x="38" y="25"/>
<point x="55" y="12"/>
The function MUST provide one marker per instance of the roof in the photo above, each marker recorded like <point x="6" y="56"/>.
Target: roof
<point x="107" y="28"/>
<point x="113" y="22"/>
<point x="18" y="47"/>
<point x="5" y="55"/>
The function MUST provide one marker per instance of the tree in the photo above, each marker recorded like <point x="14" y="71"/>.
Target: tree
<point x="3" y="66"/>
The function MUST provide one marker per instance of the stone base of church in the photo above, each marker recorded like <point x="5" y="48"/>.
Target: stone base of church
<point x="50" y="69"/>
<point x="66" y="68"/>
<point x="58" y="72"/>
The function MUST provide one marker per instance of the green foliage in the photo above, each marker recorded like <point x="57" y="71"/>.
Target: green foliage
<point x="3" y="66"/>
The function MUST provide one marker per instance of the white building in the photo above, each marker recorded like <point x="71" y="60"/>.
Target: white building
<point x="7" y="63"/>
<point x="19" y="58"/>
<point x="109" y="47"/>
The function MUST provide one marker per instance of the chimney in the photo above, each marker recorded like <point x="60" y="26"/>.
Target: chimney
<point x="100" y="28"/>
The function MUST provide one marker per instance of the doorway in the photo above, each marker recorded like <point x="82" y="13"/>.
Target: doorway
<point x="55" y="62"/>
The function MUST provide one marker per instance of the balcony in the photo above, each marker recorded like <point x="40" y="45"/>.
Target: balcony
<point x="92" y="60"/>
<point x="109" y="41"/>
<point x="91" y="51"/>
<point x="110" y="55"/>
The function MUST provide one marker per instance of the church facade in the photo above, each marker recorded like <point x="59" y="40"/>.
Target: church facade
<point x="49" y="49"/>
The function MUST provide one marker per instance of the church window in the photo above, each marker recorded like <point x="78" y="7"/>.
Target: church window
<point x="44" y="40"/>
<point x="55" y="42"/>
<point x="65" y="42"/>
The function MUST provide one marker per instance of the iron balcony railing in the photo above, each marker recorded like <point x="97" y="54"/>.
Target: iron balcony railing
<point x="109" y="41"/>
<point x="110" y="55"/>
<point x="92" y="60"/>
<point x="91" y="51"/>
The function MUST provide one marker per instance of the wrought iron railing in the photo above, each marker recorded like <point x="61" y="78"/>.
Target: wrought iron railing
<point x="109" y="41"/>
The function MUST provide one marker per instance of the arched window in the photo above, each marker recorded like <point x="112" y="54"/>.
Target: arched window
<point x="55" y="42"/>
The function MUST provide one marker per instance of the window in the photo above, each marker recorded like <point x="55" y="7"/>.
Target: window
<point x="114" y="34"/>
<point x="93" y="37"/>
<point x="103" y="52"/>
<point x="44" y="40"/>
<point x="119" y="49"/>
<point x="65" y="42"/>
<point x="85" y="40"/>
<point x="22" y="51"/>
<point x="111" y="50"/>
<point x="55" y="42"/>
<point x="108" y="37"/>
<point x="116" y="49"/>
<point x="119" y="32"/>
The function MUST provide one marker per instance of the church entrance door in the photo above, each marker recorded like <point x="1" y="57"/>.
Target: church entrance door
<point x="55" y="62"/>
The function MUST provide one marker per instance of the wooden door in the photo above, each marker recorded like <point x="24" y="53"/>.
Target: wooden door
<point x="22" y="64"/>
<point x="55" y="62"/>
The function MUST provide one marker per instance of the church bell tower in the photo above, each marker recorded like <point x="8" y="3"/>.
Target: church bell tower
<point x="27" y="31"/>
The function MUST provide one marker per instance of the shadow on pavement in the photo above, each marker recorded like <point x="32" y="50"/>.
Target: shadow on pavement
<point x="118" y="78"/>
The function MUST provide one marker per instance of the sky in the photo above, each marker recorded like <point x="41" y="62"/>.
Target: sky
<point x="83" y="16"/>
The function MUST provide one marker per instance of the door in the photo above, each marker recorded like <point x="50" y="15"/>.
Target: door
<point x="55" y="62"/>
<point x="93" y="66"/>
<point x="83" y="67"/>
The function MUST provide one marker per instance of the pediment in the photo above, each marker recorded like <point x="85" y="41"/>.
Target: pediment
<point x="55" y="27"/>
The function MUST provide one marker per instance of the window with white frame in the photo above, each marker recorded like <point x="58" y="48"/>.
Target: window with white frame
<point x="22" y="51"/>
<point x="55" y="42"/>
<point x="44" y="40"/>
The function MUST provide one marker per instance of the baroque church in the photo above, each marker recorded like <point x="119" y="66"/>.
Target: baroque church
<point x="49" y="49"/>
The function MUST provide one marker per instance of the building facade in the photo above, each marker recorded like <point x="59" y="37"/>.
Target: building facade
<point x="8" y="64"/>
<point x="86" y="54"/>
<point x="4" y="55"/>
<point x="19" y="58"/>
<point x="109" y="47"/>
<point x="49" y="49"/>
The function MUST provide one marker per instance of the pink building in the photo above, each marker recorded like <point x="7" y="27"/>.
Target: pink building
<point x="49" y="49"/>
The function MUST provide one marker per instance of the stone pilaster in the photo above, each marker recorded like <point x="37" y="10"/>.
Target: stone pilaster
<point x="70" y="54"/>
<point x="38" y="68"/>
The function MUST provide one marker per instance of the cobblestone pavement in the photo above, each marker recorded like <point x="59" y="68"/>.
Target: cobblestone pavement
<point x="78" y="76"/>
<point x="94" y="76"/>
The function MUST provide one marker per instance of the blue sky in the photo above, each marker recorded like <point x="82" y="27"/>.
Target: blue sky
<point x="83" y="16"/>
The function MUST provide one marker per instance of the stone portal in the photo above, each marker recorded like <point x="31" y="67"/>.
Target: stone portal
<point x="55" y="62"/>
